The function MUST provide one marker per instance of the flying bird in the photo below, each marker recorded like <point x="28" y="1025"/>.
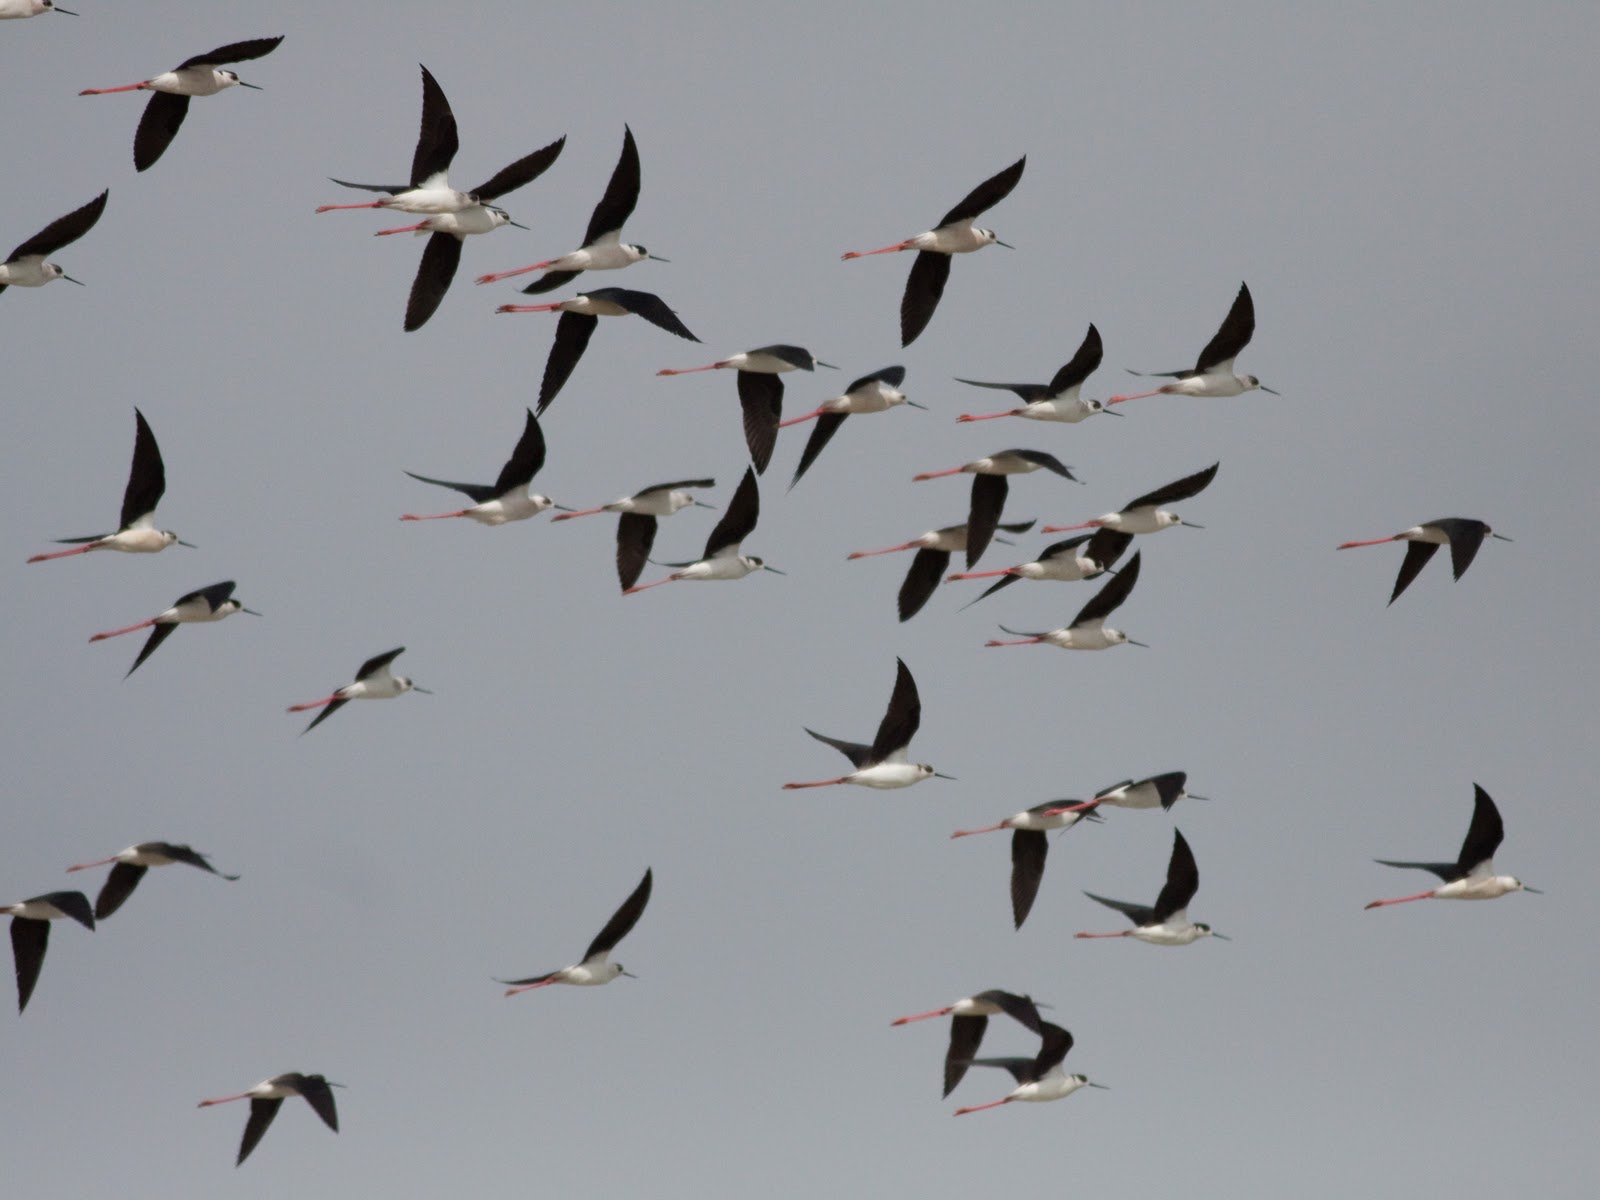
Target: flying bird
<point x="1462" y="534"/>
<point x="636" y="527"/>
<point x="1144" y="514"/>
<point x="1083" y="557"/>
<point x="969" y="1018"/>
<point x="955" y="234"/>
<point x="579" y="318"/>
<point x="373" y="682"/>
<point x="760" y="391"/>
<point x="28" y="265"/>
<point x="1161" y="791"/>
<point x="1166" y="922"/>
<point x="722" y="559"/>
<point x="1029" y="846"/>
<point x="603" y="248"/>
<point x="268" y="1096"/>
<point x="136" y="532"/>
<point x="1213" y="370"/>
<point x="990" y="487"/>
<point x="932" y="560"/>
<point x="1471" y="876"/>
<point x="130" y="868"/>
<point x="884" y="764"/>
<point x="1039" y="1078"/>
<point x="507" y="498"/>
<point x="873" y="393"/>
<point x="211" y="603"/>
<point x="596" y="966"/>
<point x="1058" y="400"/>
<point x="30" y="933"/>
<point x="201" y="75"/>
<point x="1088" y="630"/>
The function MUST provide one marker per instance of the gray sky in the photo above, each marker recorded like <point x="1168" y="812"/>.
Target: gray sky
<point x="1409" y="195"/>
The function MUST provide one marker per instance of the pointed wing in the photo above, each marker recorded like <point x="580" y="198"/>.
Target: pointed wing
<point x="379" y="662"/>
<point x="986" y="195"/>
<point x="1027" y="392"/>
<point x="1028" y="851"/>
<point x="63" y="230"/>
<point x="1047" y="461"/>
<point x="158" y="634"/>
<point x="929" y="273"/>
<point x="163" y="117"/>
<point x="261" y="1114"/>
<point x="1417" y="556"/>
<point x="927" y="568"/>
<point x="900" y="721"/>
<point x="1183" y="879"/>
<point x="622" y="193"/>
<point x="233" y="52"/>
<point x="29" y="938"/>
<point x="983" y="513"/>
<point x="827" y="425"/>
<point x="1057" y="1042"/>
<point x="1484" y="835"/>
<point x="213" y="594"/>
<point x="859" y="755"/>
<point x="147" y="476"/>
<point x="189" y="857"/>
<point x="522" y="172"/>
<point x="526" y="460"/>
<point x="893" y="376"/>
<point x="317" y="1093"/>
<point x="1179" y="489"/>
<point x="549" y="282"/>
<point x="390" y="189"/>
<point x="434" y="273"/>
<point x="654" y="488"/>
<point x="1018" y="1008"/>
<point x="573" y="331"/>
<point x="636" y="533"/>
<point x="1234" y="335"/>
<point x="328" y="710"/>
<point x="1445" y="871"/>
<point x="1003" y="581"/>
<point x="739" y="521"/>
<point x="478" y="492"/>
<point x="966" y="1035"/>
<point x="1084" y="364"/>
<point x="437" y="140"/>
<point x="1168" y="787"/>
<point x="622" y="921"/>
<point x="1106" y="546"/>
<point x="1466" y="536"/>
<point x="647" y="305"/>
<point x="1110" y="597"/>
<point x="761" y="398"/>
<point x="118" y="887"/>
<point x="1139" y="914"/>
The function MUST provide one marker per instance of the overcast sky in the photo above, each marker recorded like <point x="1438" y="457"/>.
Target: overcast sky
<point x="1409" y="194"/>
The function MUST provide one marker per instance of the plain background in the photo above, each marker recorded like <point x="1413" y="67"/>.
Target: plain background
<point x="1408" y="191"/>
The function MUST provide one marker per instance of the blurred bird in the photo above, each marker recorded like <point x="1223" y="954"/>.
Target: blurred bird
<point x="969" y="1018"/>
<point x="268" y="1096"/>
<point x="30" y="933"/>
<point x="130" y="868"/>
<point x="760" y="391"/>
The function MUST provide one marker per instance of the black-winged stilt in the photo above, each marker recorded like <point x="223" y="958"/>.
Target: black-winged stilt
<point x="636" y="526"/>
<point x="1058" y="400"/>
<point x="30" y="933"/>
<point x="1144" y="514"/>
<point x="1039" y="1078"/>
<point x="1471" y="876"/>
<point x="1166" y="922"/>
<point x="932" y="560"/>
<point x="596" y="967"/>
<point x="507" y="498"/>
<point x="1462" y="534"/>
<point x="28" y="265"/>
<point x="268" y="1096"/>
<point x="760" y="390"/>
<point x="374" y="681"/>
<point x="1029" y="846"/>
<point x="990" y="487"/>
<point x="131" y="865"/>
<point x="211" y="603"/>
<point x="884" y="764"/>
<point x="1213" y="370"/>
<point x="1087" y="630"/>
<point x="722" y="559"/>
<point x="969" y="1018"/>
<point x="877" y="392"/>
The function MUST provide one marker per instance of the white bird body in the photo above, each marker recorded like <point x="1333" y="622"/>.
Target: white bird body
<point x="1145" y="519"/>
<point x="1482" y="884"/>
<point x="725" y="565"/>
<point x="897" y="773"/>
<point x="515" y="505"/>
<point x="1217" y="382"/>
<point x="1069" y="408"/>
<point x="1063" y="569"/>
<point x="1091" y="635"/>
<point x="142" y="538"/>
<point x="1034" y="821"/>
<point x="31" y="270"/>
<point x="38" y="909"/>
<point x="759" y="362"/>
<point x="198" y="80"/>
<point x="1055" y="1085"/>
<point x="198" y="609"/>
<point x="1176" y="930"/>
<point x="433" y="196"/>
<point x="958" y="237"/>
<point x="589" y="973"/>
<point x="609" y="253"/>
<point x="652" y="504"/>
<point x="16" y="10"/>
<point x="382" y="686"/>
<point x="593" y="306"/>
<point x="877" y="397"/>
<point x="474" y="218"/>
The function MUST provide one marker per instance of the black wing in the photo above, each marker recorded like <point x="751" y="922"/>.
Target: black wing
<point x="927" y="568"/>
<point x="526" y="461"/>
<point x="437" y="140"/>
<point x="63" y="230"/>
<point x="1234" y="335"/>
<point x="118" y="887"/>
<point x="1445" y="871"/>
<point x="622" y="921"/>
<point x="1018" y="1008"/>
<point x="158" y="634"/>
<point x="163" y="117"/>
<point x="147" y="475"/>
<point x="520" y="173"/>
<point x="1110" y="597"/>
<point x="573" y="331"/>
<point x="983" y="513"/>
<point x="1466" y="536"/>
<point x="188" y="856"/>
<point x="827" y="425"/>
<point x="900" y="721"/>
<point x="1180" y="489"/>
<point x="1106" y="546"/>
<point x="929" y="273"/>
<point x="636" y="533"/>
<point x="1168" y="787"/>
<point x="213" y="594"/>
<point x="622" y="193"/>
<point x="860" y="755"/>
<point x="1485" y="833"/>
<point x="1084" y="364"/>
<point x="318" y="1093"/>
<point x="1028" y="850"/>
<point x="1027" y="392"/>
<point x="328" y="710"/>
<point x="29" y="938"/>
<point x="478" y="492"/>
<point x="1056" y="1044"/>
<point x="966" y="1035"/>
<point x="986" y="195"/>
<point x="893" y="376"/>
<point x="233" y="52"/>
<point x="647" y="305"/>
<point x="1047" y="461"/>
<point x="1003" y="581"/>
<point x="261" y="1114"/>
<point x="1417" y="556"/>
<point x="1139" y="914"/>
<point x="391" y="189"/>
<point x="434" y="273"/>
<point x="1183" y="879"/>
<point x="379" y="661"/>
<point x="761" y="398"/>
<point x="674" y="486"/>
<point x="740" y="519"/>
<point x="549" y="282"/>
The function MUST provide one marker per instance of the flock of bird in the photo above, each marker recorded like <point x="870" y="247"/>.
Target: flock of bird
<point x="448" y="217"/>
